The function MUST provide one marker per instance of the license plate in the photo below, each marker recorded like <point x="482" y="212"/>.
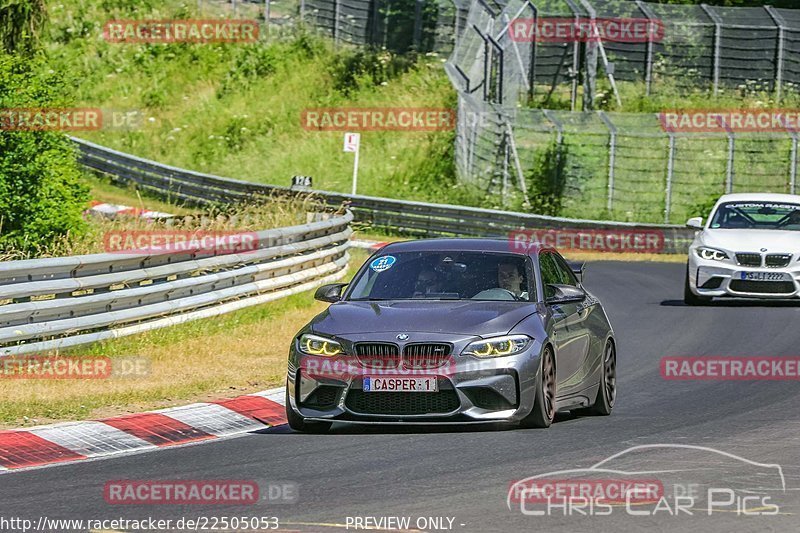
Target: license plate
<point x="399" y="384"/>
<point x="765" y="276"/>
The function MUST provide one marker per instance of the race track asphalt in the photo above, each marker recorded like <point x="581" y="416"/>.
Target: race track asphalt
<point x="464" y="473"/>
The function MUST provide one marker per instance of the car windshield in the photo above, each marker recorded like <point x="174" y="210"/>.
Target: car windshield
<point x="444" y="276"/>
<point x="757" y="215"/>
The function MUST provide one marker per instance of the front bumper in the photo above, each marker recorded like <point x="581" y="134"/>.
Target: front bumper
<point x="718" y="278"/>
<point x="470" y="389"/>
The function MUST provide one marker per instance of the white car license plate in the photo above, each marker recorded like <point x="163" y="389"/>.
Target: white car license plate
<point x="399" y="384"/>
<point x="764" y="276"/>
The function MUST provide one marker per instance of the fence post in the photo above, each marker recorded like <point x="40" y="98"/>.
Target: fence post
<point x="302" y="9"/>
<point x="793" y="166"/>
<point x="506" y="155"/>
<point x="781" y="49"/>
<point x="520" y="174"/>
<point x="730" y="170"/>
<point x="670" y="171"/>
<point x="612" y="156"/>
<point x="717" y="42"/>
<point x="235" y="8"/>
<point x="418" y="25"/>
<point x="648" y="67"/>
<point x="267" y="6"/>
<point x="336" y="14"/>
<point x="576" y="58"/>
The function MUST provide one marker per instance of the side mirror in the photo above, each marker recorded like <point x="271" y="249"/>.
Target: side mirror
<point x="695" y="222"/>
<point x="565" y="294"/>
<point x="330" y="293"/>
<point x="578" y="270"/>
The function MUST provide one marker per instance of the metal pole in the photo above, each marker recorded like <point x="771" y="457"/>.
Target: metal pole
<point x="302" y="9"/>
<point x="793" y="166"/>
<point x="670" y="170"/>
<point x="520" y="175"/>
<point x="648" y="67"/>
<point x="717" y="43"/>
<point x="336" y="14"/>
<point x="730" y="171"/>
<point x="418" y="25"/>
<point x="781" y="50"/>
<point x="267" y="7"/>
<point x="235" y="8"/>
<point x="506" y="155"/>
<point x="612" y="156"/>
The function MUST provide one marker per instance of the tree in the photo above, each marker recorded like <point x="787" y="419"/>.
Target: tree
<point x="20" y="24"/>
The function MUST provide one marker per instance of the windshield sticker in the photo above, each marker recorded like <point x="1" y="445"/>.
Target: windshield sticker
<point x="383" y="263"/>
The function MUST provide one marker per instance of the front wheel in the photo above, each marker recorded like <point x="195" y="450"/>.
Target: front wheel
<point x="544" y="405"/>
<point x="607" y="392"/>
<point x="299" y="423"/>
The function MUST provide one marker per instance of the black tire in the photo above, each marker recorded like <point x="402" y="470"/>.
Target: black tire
<point x="298" y="423"/>
<point x="544" y="405"/>
<point x="607" y="392"/>
<point x="690" y="298"/>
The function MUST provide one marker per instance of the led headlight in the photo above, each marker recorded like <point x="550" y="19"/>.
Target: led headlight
<point x="315" y="345"/>
<point x="498" y="346"/>
<point x="712" y="253"/>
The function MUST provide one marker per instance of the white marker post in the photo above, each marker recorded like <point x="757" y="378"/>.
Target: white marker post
<point x="352" y="143"/>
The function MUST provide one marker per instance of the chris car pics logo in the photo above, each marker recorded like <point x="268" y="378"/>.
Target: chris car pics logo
<point x="382" y="263"/>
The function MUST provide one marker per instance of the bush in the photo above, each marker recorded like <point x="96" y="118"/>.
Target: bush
<point x="41" y="196"/>
<point x="547" y="179"/>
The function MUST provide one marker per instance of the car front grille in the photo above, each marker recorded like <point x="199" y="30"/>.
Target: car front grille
<point x="750" y="260"/>
<point x="403" y="403"/>
<point x="417" y="356"/>
<point x="778" y="260"/>
<point x="424" y="356"/>
<point x="762" y="287"/>
<point x="383" y="355"/>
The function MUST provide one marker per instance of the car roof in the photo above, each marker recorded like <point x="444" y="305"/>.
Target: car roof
<point x="459" y="244"/>
<point x="759" y="197"/>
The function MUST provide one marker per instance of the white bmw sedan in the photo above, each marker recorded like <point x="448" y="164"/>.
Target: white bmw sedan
<point x="748" y="248"/>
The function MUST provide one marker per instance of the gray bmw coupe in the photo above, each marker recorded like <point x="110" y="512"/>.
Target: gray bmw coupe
<point x="453" y="331"/>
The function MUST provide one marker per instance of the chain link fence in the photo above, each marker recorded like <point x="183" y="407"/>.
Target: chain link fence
<point x="397" y="25"/>
<point x="620" y="166"/>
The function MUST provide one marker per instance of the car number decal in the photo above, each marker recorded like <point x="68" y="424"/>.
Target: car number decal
<point x="382" y="263"/>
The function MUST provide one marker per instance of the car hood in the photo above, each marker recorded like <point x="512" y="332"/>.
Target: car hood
<point x="752" y="240"/>
<point x="458" y="317"/>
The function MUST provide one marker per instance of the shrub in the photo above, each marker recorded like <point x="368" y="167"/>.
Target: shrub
<point x="41" y="196"/>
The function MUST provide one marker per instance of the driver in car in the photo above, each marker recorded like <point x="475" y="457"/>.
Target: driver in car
<point x="510" y="279"/>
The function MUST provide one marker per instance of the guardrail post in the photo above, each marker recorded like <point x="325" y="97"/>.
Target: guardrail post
<point x="781" y="49"/>
<point x="717" y="43"/>
<point x="670" y="171"/>
<point x="648" y="67"/>
<point x="612" y="156"/>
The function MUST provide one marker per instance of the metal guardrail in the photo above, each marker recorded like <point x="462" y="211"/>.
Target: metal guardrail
<point x="60" y="302"/>
<point x="415" y="218"/>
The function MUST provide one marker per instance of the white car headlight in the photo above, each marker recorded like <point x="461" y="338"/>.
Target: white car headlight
<point x="498" y="346"/>
<point x="316" y="345"/>
<point x="712" y="254"/>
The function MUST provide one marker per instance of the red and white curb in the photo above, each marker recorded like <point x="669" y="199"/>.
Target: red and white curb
<point x="115" y="210"/>
<point x="77" y="441"/>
